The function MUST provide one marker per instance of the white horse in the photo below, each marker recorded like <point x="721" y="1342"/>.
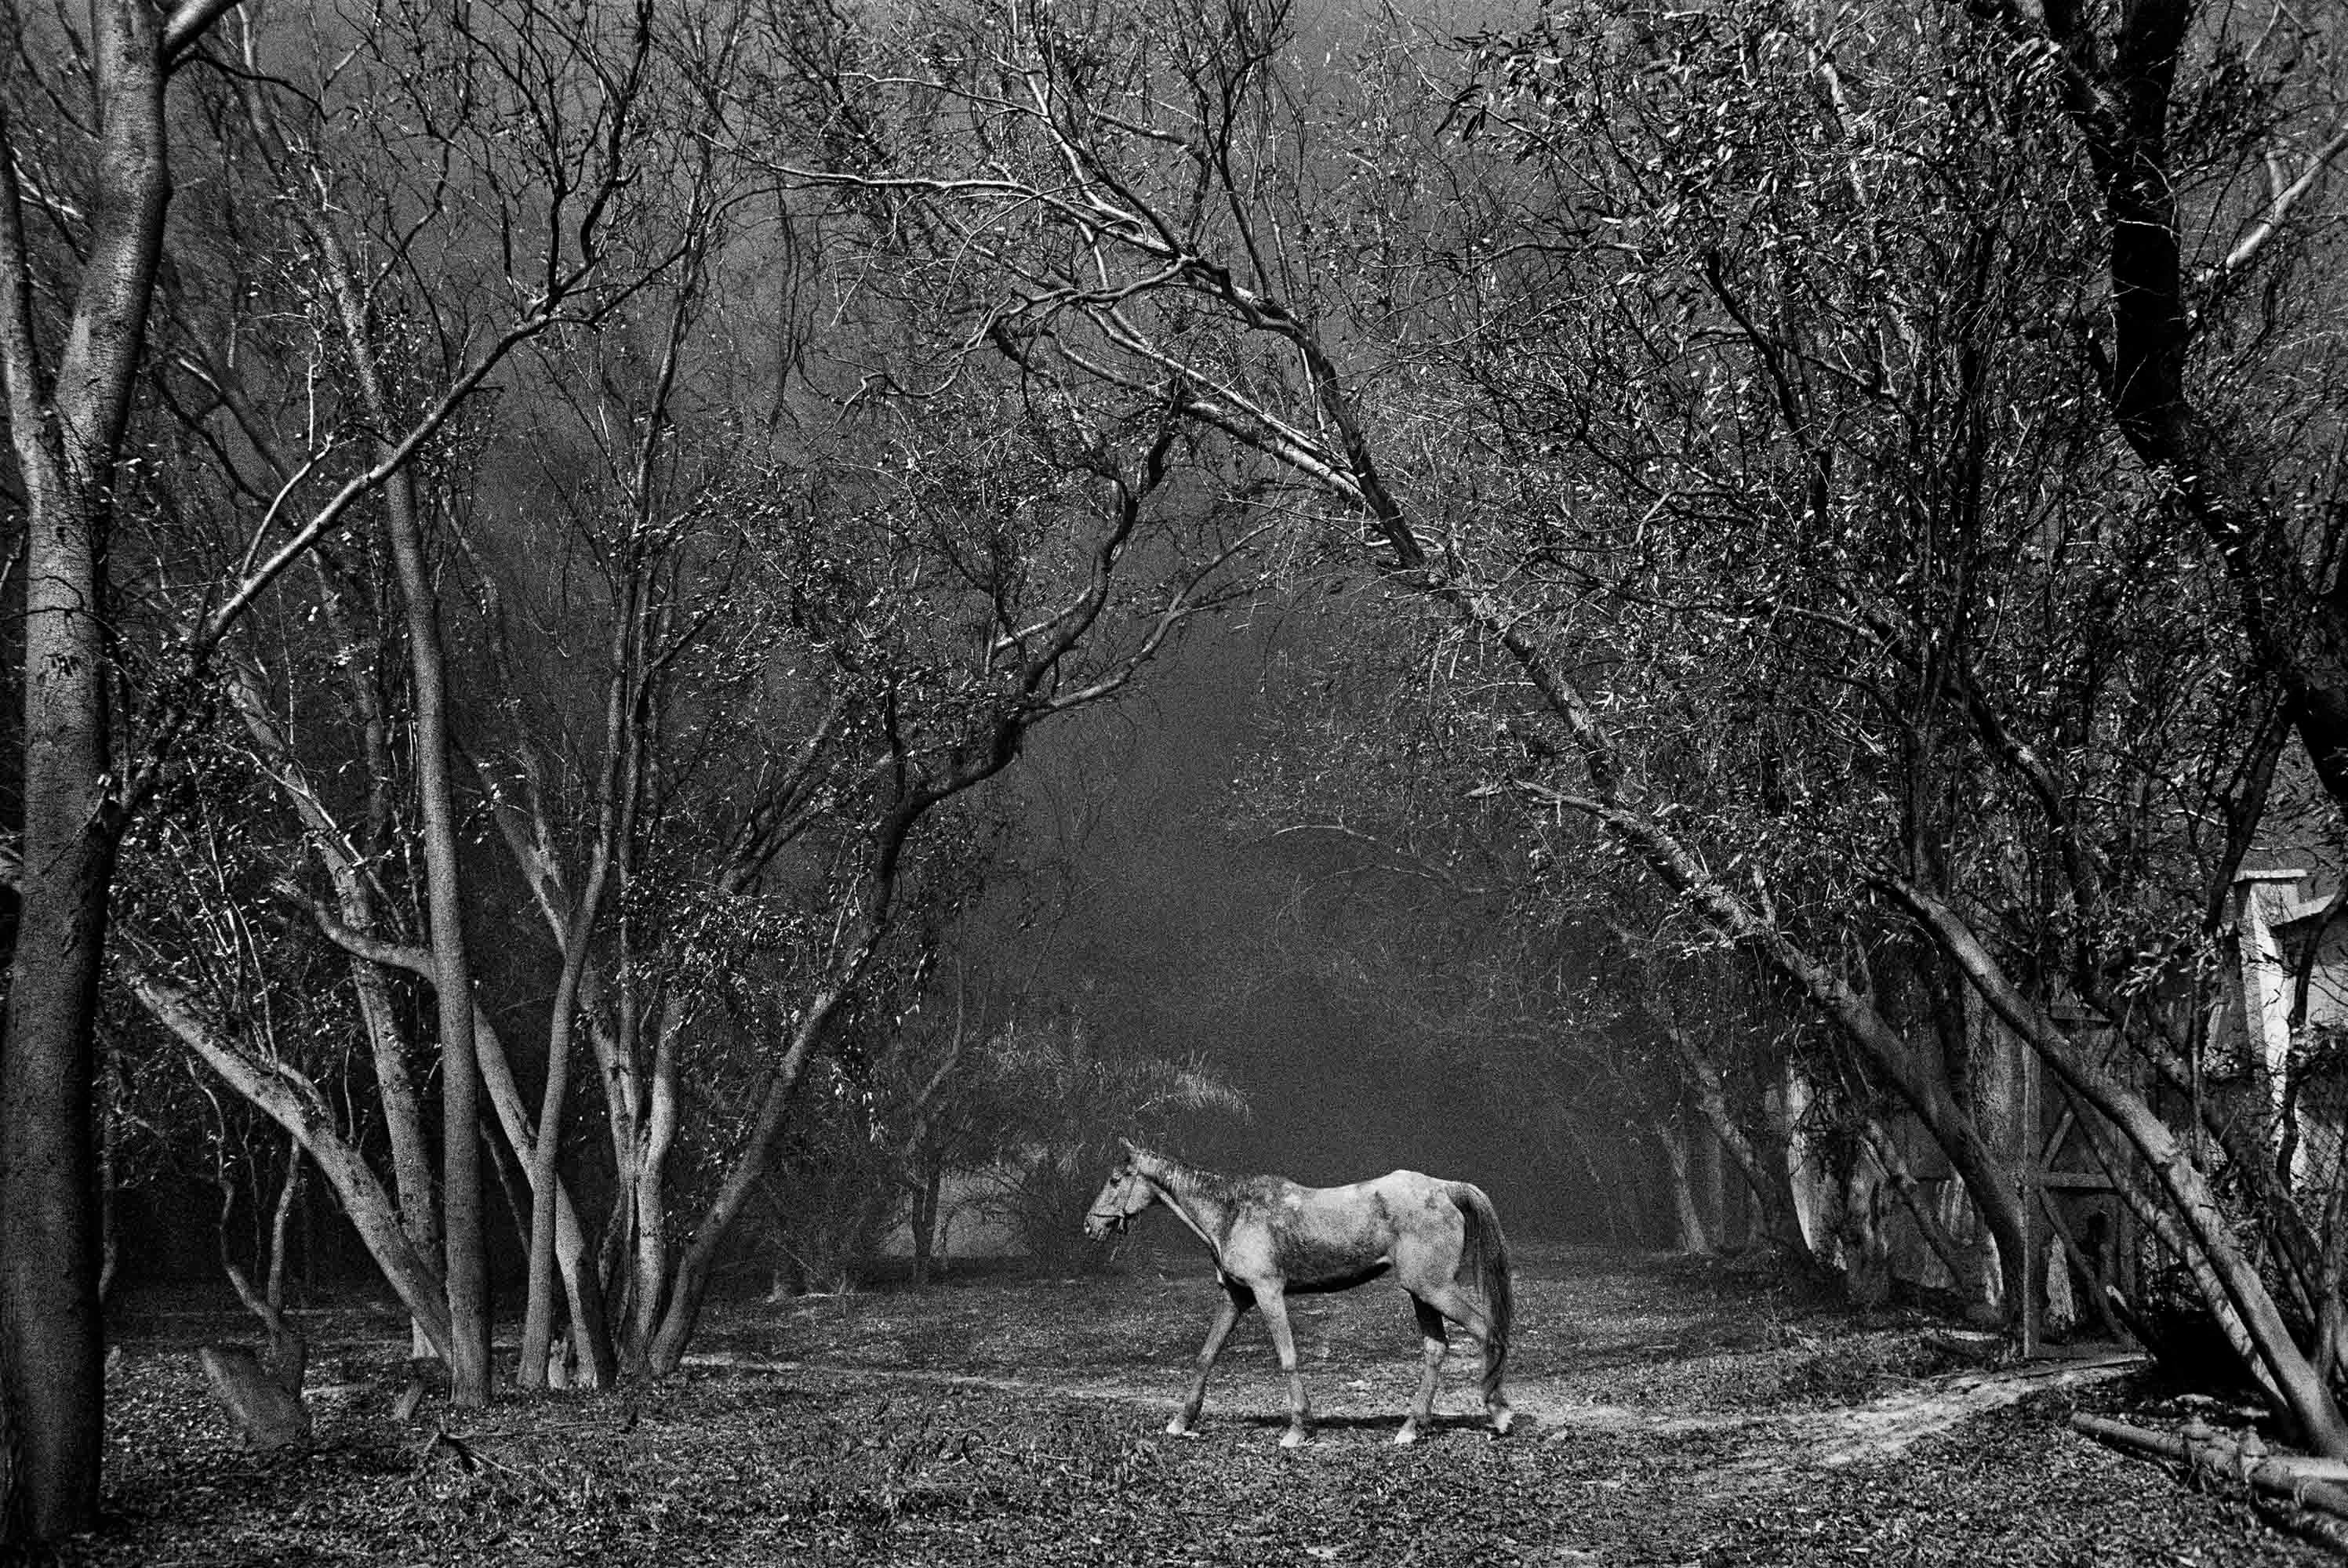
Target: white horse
<point x="1439" y="1239"/>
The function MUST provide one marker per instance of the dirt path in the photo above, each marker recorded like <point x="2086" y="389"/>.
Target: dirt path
<point x="1551" y="1412"/>
<point x="1602" y="1344"/>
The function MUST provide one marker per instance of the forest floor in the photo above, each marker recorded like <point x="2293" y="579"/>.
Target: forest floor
<point x="1672" y="1411"/>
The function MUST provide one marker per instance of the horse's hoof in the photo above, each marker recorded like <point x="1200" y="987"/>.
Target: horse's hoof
<point x="1294" y="1438"/>
<point x="1501" y="1422"/>
<point x="1405" y="1437"/>
<point x="1176" y="1428"/>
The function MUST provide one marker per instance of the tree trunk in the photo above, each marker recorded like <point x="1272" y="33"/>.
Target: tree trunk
<point x="1612" y="806"/>
<point x="578" y="932"/>
<point x="1971" y="1273"/>
<point x="648" y="1159"/>
<point x="569" y="1257"/>
<point x="67" y="431"/>
<point x="2118" y="92"/>
<point x="689" y="1282"/>
<point x="925" y="1218"/>
<point x="51" y="1347"/>
<point x="1036" y="692"/>
<point x="466" y="1269"/>
<point x="452" y="975"/>
<point x="403" y="1115"/>
<point x="1688" y="1214"/>
<point x="263" y="1393"/>
<point x="539" y="1154"/>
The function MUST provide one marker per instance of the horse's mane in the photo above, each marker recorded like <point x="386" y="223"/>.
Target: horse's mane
<point x="1189" y="1178"/>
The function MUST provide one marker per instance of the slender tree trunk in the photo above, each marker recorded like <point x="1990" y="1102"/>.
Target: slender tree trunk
<point x="925" y="1218"/>
<point x="578" y="934"/>
<point x="403" y="1115"/>
<point x="1966" y="1266"/>
<point x="465" y="1268"/>
<point x="1036" y="692"/>
<point x="540" y="1151"/>
<point x="1688" y="1216"/>
<point x="570" y="1259"/>
<point x="1612" y="806"/>
<point x="652" y="1285"/>
<point x="688" y="1283"/>
<point x="1987" y="1181"/>
<point x="288" y="1351"/>
<point x="460" y="1116"/>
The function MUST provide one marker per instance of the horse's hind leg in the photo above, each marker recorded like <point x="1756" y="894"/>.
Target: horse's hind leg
<point x="1496" y="1403"/>
<point x="1463" y="1308"/>
<point x="1235" y="1301"/>
<point x="1436" y="1341"/>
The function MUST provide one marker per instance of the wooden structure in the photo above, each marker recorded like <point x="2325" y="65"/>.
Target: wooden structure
<point x="2073" y="1214"/>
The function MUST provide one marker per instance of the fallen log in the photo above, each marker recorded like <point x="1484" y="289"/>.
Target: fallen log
<point x="2318" y="1483"/>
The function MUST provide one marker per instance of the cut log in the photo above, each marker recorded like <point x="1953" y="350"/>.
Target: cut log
<point x="2319" y="1483"/>
<point x="268" y="1413"/>
<point x="1981" y="1350"/>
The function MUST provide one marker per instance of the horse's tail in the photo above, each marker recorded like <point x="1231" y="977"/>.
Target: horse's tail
<point x="1484" y="1264"/>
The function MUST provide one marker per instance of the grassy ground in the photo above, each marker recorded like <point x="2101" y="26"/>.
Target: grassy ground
<point x="1676" y="1413"/>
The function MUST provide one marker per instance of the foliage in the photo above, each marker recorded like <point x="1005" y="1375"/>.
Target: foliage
<point x="1063" y="1099"/>
<point x="837" y="1193"/>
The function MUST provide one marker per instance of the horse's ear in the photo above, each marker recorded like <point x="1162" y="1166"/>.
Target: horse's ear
<point x="1127" y="1144"/>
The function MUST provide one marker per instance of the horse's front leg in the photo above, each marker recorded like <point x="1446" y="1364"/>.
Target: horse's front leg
<point x="1235" y="1301"/>
<point x="1284" y="1339"/>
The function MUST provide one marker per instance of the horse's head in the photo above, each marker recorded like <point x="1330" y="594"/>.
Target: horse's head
<point x="1125" y="1195"/>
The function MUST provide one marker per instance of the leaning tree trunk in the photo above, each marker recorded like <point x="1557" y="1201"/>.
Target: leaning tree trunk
<point x="1687" y="1213"/>
<point x="294" y="1103"/>
<point x="570" y="1259"/>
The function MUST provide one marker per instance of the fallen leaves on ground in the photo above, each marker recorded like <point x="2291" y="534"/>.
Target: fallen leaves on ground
<point x="1012" y="1420"/>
